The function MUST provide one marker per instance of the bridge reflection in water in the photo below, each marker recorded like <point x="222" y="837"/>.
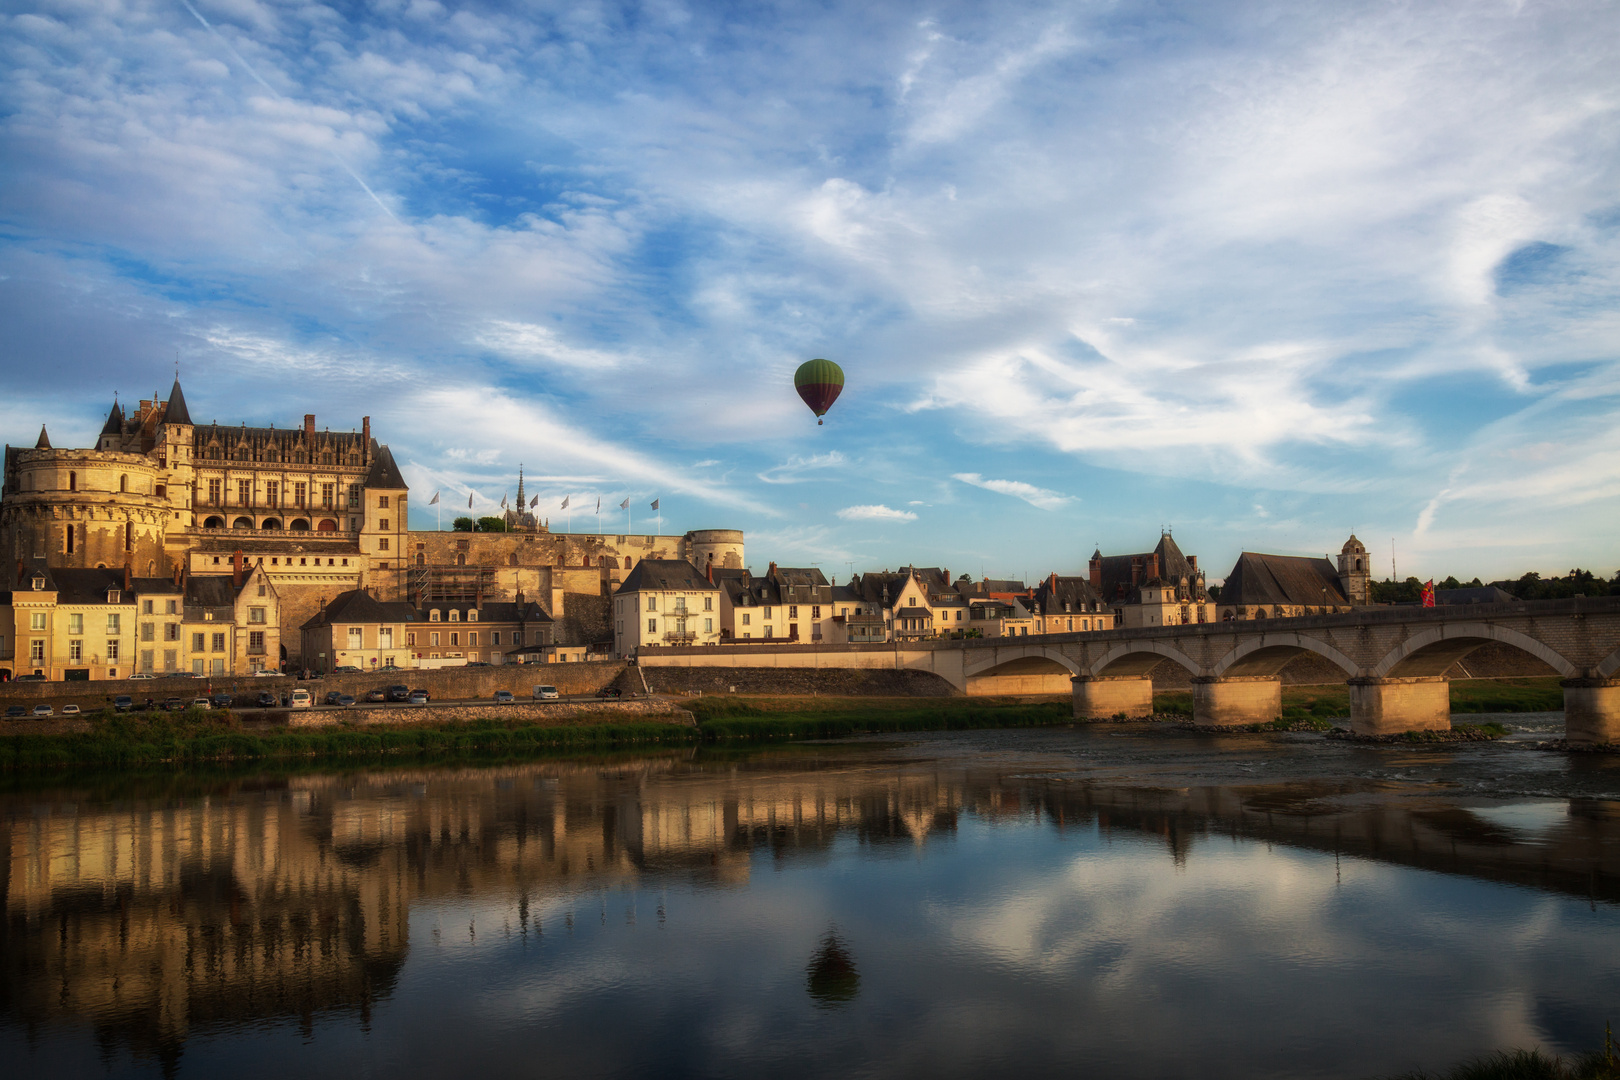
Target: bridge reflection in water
<point x="155" y="915"/>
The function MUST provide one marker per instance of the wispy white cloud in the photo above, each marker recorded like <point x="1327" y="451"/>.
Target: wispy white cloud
<point x="794" y="469"/>
<point x="1035" y="496"/>
<point x="875" y="512"/>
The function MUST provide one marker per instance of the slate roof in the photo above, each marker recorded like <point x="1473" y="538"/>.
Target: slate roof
<point x="989" y="586"/>
<point x="1117" y="586"/>
<point x="1485" y="594"/>
<point x="359" y="606"/>
<point x="1077" y="592"/>
<point x="800" y="585"/>
<point x="84" y="586"/>
<point x="384" y="473"/>
<point x="492" y="611"/>
<point x="176" y="412"/>
<point x="655" y="574"/>
<point x="115" y="420"/>
<point x="1282" y="579"/>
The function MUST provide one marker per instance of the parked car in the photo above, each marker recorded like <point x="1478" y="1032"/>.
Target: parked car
<point x="504" y="697"/>
<point x="476" y="663"/>
<point x="201" y="703"/>
<point x="418" y="697"/>
<point x="332" y="696"/>
<point x="299" y="699"/>
<point x="123" y="703"/>
<point x="29" y="678"/>
<point x="610" y="692"/>
<point x="43" y="710"/>
<point x="345" y="669"/>
<point x="266" y="673"/>
<point x="545" y="693"/>
<point x="345" y="700"/>
<point x="143" y="675"/>
<point x="222" y="701"/>
<point x="175" y="704"/>
<point x="70" y="710"/>
<point x="376" y="695"/>
<point x="400" y="692"/>
<point x="14" y="711"/>
<point x="267" y="700"/>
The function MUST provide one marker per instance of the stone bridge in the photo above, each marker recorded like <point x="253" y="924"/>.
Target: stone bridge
<point x="1393" y="658"/>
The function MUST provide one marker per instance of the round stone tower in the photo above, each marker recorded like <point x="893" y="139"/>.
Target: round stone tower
<point x="85" y="508"/>
<point x="725" y="546"/>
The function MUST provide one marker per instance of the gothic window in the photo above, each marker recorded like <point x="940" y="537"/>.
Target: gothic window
<point x="73" y="481"/>
<point x="123" y="484"/>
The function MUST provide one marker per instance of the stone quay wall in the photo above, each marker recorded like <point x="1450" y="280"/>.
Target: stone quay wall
<point x="456" y="683"/>
<point x="537" y="712"/>
<point x="789" y="682"/>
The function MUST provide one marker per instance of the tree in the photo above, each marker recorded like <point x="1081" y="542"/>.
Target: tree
<point x="462" y="524"/>
<point x="491" y="524"/>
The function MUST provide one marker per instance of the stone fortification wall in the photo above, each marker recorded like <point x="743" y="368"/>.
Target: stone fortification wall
<point x="451" y="684"/>
<point x="554" y="712"/>
<point x="585" y="619"/>
<point x="851" y="682"/>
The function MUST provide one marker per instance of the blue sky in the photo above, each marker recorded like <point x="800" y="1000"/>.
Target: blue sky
<point x="1262" y="273"/>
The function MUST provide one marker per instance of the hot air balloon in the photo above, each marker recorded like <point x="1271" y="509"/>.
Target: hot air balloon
<point x="819" y="382"/>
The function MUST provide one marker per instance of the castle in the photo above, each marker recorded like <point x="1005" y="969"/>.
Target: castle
<point x="321" y="512"/>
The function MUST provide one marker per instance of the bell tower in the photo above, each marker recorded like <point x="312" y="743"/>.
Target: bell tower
<point x="1355" y="574"/>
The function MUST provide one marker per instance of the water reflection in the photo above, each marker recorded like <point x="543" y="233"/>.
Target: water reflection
<point x="144" y="920"/>
<point x="833" y="978"/>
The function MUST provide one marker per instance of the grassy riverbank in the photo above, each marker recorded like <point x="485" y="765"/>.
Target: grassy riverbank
<point x="147" y="740"/>
<point x="1601" y="1064"/>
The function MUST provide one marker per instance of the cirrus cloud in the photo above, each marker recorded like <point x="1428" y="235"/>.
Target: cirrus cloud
<point x="875" y="512"/>
<point x="1037" y="497"/>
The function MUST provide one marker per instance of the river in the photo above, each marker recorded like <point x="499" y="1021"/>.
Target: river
<point x="1112" y="900"/>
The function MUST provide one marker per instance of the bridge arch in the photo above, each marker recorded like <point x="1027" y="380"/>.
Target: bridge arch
<point x="1432" y="651"/>
<point x="1140" y="658"/>
<point x="1019" y="656"/>
<point x="1270" y="653"/>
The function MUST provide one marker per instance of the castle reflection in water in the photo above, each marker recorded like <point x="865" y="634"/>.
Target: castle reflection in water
<point x="150" y="915"/>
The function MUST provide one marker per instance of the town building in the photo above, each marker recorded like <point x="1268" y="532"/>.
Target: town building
<point x="74" y="623"/>
<point x="665" y="602"/>
<point x="1161" y="587"/>
<point x="1067" y="605"/>
<point x="1263" y="586"/>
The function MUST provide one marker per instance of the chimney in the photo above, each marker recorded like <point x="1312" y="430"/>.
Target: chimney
<point x="1153" y="565"/>
<point x="770" y="571"/>
<point x="1192" y="561"/>
<point x="1136" y="569"/>
<point x="21" y="569"/>
<point x="127" y="575"/>
<point x="236" y="570"/>
<point x="365" y="430"/>
<point x="1051" y="583"/>
<point x="309" y="425"/>
<point x="708" y="571"/>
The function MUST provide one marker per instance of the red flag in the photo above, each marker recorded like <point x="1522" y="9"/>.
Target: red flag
<point x="1428" y="593"/>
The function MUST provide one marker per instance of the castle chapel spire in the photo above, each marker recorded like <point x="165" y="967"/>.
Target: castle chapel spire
<point x="176" y="413"/>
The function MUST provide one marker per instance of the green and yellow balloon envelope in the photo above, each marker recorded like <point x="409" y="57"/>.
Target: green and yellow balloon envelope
<point x="819" y="382"/>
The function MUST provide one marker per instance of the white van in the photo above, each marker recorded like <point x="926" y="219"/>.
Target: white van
<point x="545" y="693"/>
<point x="299" y="699"/>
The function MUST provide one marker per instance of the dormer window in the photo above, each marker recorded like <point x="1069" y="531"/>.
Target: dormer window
<point x="39" y="582"/>
<point x="455" y="616"/>
<point x="472" y="616"/>
<point x="113" y="595"/>
<point x="433" y="616"/>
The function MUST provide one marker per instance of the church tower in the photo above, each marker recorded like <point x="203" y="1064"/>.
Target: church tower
<point x="1355" y="575"/>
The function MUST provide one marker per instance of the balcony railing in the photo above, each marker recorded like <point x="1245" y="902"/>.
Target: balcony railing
<point x="679" y="637"/>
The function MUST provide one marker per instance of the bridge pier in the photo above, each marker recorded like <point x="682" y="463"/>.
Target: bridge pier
<point x="1236" y="700"/>
<point x="1103" y="697"/>
<point x="1591" y="711"/>
<point x="1392" y="706"/>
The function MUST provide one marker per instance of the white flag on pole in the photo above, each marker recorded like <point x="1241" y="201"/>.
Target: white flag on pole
<point x="435" y="500"/>
<point x="625" y="505"/>
<point x="469" y="500"/>
<point x="565" y="501"/>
